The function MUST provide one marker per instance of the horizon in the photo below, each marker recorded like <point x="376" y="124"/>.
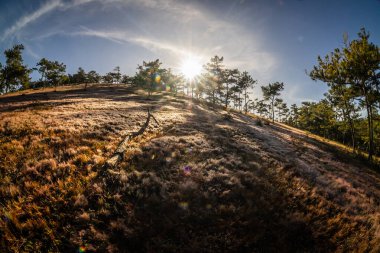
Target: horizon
<point x="273" y="40"/>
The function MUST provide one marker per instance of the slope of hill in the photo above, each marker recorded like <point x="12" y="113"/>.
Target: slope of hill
<point x="200" y="181"/>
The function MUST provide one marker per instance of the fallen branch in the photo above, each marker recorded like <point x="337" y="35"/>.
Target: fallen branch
<point x="119" y="153"/>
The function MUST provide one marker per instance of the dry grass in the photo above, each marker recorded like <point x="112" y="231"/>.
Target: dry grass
<point x="201" y="182"/>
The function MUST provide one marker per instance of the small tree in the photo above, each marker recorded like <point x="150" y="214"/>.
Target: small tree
<point x="246" y="82"/>
<point x="80" y="76"/>
<point x="282" y="109"/>
<point x="126" y="79"/>
<point x="294" y="114"/>
<point x="270" y="93"/>
<point x="214" y="79"/>
<point x="56" y="73"/>
<point x="52" y="72"/>
<point x="231" y="79"/>
<point x="149" y="75"/>
<point x="15" y="74"/>
<point x="108" y="78"/>
<point x="116" y="74"/>
<point x="262" y="108"/>
<point x="42" y="67"/>
<point x="93" y="77"/>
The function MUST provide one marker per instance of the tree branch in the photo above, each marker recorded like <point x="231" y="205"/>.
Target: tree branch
<point x="119" y="153"/>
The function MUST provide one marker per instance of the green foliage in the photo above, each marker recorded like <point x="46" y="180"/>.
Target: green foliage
<point x="1" y="79"/>
<point x="282" y="109"/>
<point x="293" y="116"/>
<point x="172" y="82"/>
<point x="149" y="75"/>
<point x="108" y="78"/>
<point x="113" y="77"/>
<point x="79" y="77"/>
<point x="52" y="72"/>
<point x="318" y="118"/>
<point x="223" y="86"/>
<point x="352" y="73"/>
<point x="93" y="77"/>
<point x="82" y="77"/>
<point x="14" y="75"/>
<point x="116" y="74"/>
<point x="270" y="93"/>
<point x="126" y="79"/>
<point x="214" y="79"/>
<point x="231" y="79"/>
<point x="245" y="83"/>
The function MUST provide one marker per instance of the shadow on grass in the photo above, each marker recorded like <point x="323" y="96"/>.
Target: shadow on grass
<point x="205" y="183"/>
<point x="197" y="189"/>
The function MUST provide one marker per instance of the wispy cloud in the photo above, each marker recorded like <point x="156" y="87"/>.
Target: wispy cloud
<point x="25" y="20"/>
<point x="168" y="28"/>
<point x="211" y="35"/>
<point x="122" y="37"/>
<point x="114" y="36"/>
<point x="31" y="52"/>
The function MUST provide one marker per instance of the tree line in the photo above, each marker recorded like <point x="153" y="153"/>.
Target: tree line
<point x="218" y="85"/>
<point x="15" y="75"/>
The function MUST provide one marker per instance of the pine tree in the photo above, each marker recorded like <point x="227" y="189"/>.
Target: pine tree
<point x="15" y="74"/>
<point x="355" y="67"/>
<point x="214" y="79"/>
<point x="270" y="93"/>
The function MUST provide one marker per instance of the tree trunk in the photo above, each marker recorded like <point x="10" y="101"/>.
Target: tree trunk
<point x="352" y="130"/>
<point x="370" y="129"/>
<point x="226" y="100"/>
<point x="346" y="113"/>
<point x="245" y="102"/>
<point x="239" y="102"/>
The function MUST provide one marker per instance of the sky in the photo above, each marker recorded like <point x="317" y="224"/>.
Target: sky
<point x="274" y="40"/>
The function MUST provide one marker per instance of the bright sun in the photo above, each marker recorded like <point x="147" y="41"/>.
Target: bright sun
<point x="191" y="67"/>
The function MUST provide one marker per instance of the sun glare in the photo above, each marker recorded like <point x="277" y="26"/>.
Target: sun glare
<point x="191" y="67"/>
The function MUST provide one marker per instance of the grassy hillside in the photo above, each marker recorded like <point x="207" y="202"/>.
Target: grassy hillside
<point x="200" y="181"/>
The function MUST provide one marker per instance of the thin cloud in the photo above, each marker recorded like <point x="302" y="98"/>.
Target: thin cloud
<point x="25" y="20"/>
<point x="122" y="37"/>
<point x="212" y="34"/>
<point x="31" y="52"/>
<point x="114" y="36"/>
<point x="158" y="45"/>
<point x="43" y="10"/>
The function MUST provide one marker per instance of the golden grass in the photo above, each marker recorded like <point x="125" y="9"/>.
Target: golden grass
<point x="201" y="181"/>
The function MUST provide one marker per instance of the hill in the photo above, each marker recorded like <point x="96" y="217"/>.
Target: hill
<point x="201" y="180"/>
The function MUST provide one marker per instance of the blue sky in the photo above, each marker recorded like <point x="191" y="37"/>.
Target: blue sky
<point x="274" y="40"/>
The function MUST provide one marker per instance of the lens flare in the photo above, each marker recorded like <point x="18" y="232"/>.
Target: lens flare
<point x="191" y="67"/>
<point x="157" y="78"/>
<point x="187" y="170"/>
<point x="82" y="249"/>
